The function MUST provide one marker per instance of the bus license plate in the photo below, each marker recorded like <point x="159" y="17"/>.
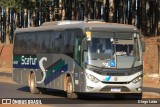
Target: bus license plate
<point x="115" y="90"/>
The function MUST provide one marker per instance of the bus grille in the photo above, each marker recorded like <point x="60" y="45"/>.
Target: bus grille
<point x="108" y="88"/>
<point x="115" y="82"/>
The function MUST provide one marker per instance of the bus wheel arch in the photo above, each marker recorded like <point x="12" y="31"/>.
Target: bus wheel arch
<point x="69" y="87"/>
<point x="32" y="83"/>
<point x="29" y="77"/>
<point x="65" y="81"/>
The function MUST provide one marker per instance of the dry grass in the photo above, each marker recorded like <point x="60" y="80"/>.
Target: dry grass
<point x="6" y="58"/>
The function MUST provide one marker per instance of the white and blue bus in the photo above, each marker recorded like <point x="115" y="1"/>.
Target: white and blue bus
<point x="79" y="57"/>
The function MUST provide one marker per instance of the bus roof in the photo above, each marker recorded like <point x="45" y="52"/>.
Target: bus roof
<point x="85" y="26"/>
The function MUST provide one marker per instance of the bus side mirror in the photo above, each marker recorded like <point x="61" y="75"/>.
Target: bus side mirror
<point x="143" y="46"/>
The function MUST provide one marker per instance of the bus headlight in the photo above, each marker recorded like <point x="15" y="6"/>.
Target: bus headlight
<point x="137" y="79"/>
<point x="92" y="78"/>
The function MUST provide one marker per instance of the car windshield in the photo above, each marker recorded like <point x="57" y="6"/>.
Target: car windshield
<point x="111" y="51"/>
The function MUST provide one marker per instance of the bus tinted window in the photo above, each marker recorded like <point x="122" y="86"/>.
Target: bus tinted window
<point x="29" y="39"/>
<point x="69" y="42"/>
<point x="47" y="42"/>
<point x="39" y="41"/>
<point x="58" y="42"/>
<point x="16" y="44"/>
<point x="20" y="43"/>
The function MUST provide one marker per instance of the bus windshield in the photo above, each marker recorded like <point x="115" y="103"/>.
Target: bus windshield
<point x="113" y="51"/>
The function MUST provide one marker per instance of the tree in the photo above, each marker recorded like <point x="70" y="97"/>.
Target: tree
<point x="27" y="13"/>
<point x="8" y="9"/>
<point x="144" y="18"/>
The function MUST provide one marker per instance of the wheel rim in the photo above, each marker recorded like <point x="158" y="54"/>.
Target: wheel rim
<point x="32" y="83"/>
<point x="69" y="88"/>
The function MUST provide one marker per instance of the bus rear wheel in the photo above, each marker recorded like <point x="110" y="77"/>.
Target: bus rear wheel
<point x="70" y="93"/>
<point x="33" y="89"/>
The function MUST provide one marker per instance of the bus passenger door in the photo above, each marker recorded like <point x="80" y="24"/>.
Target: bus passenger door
<point x="77" y="62"/>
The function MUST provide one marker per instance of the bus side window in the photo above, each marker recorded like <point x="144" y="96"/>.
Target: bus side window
<point x="47" y="42"/>
<point x="52" y="41"/>
<point x="30" y="47"/>
<point x="77" y="49"/>
<point x="16" y="44"/>
<point x="35" y="43"/>
<point x="20" y="44"/>
<point x="68" y="43"/>
<point x="38" y="43"/>
<point x="58" y="39"/>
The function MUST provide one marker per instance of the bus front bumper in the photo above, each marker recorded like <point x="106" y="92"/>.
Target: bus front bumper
<point x="119" y="87"/>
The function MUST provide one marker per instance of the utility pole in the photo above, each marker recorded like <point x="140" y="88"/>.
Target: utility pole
<point x="86" y="10"/>
<point x="158" y="40"/>
<point x="104" y="10"/>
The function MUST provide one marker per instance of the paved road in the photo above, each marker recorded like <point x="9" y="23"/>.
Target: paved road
<point x="10" y="90"/>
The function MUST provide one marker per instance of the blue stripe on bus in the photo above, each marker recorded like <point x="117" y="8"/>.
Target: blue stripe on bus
<point x="107" y="78"/>
<point x="26" y="66"/>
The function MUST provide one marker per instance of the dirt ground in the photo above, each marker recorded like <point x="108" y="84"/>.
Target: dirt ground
<point x="151" y="80"/>
<point x="6" y="58"/>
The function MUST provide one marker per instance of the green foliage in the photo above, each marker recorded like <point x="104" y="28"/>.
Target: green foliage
<point x="3" y="3"/>
<point x="100" y="1"/>
<point x="14" y="4"/>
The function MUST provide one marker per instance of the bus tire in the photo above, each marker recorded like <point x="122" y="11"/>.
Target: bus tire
<point x="70" y="93"/>
<point x="33" y="89"/>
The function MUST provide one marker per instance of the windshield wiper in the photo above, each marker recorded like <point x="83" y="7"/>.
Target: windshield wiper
<point x="111" y="64"/>
<point x="101" y="68"/>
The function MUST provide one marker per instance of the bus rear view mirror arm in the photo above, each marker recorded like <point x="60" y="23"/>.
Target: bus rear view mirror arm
<point x="85" y="48"/>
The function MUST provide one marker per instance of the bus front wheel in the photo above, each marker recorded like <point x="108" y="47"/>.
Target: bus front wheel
<point x="70" y="93"/>
<point x="33" y="89"/>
